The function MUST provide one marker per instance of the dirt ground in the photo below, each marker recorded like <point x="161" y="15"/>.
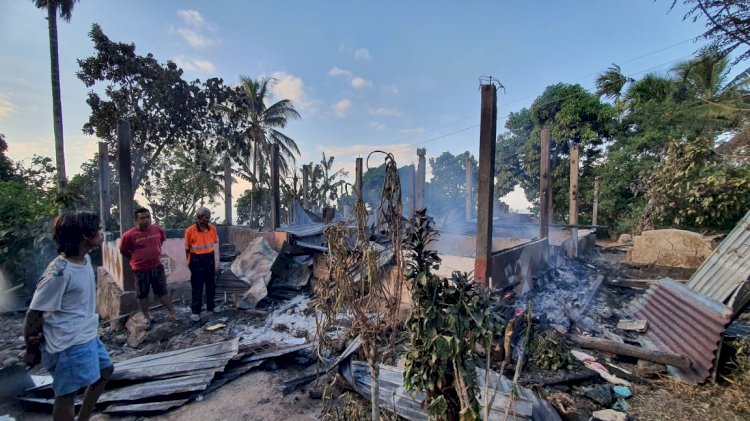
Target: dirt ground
<point x="257" y="396"/>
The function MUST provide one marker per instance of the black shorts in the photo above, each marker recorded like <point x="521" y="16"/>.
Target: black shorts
<point x="152" y="278"/>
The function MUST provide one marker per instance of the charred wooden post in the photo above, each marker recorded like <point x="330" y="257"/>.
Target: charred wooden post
<point x="275" y="191"/>
<point x="486" y="190"/>
<point x="595" y="212"/>
<point x="227" y="190"/>
<point x="413" y="193"/>
<point x="295" y="180"/>
<point x="421" y="152"/>
<point x="468" y="187"/>
<point x="305" y="186"/>
<point x="573" y="202"/>
<point x="127" y="219"/>
<point x="544" y="186"/>
<point x="104" y="185"/>
<point x="358" y="178"/>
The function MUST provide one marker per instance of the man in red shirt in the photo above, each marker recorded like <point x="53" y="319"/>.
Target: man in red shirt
<point x="142" y="245"/>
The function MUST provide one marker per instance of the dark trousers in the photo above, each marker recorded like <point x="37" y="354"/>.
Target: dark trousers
<point x="202" y="273"/>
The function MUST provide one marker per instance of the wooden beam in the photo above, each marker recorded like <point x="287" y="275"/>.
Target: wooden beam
<point x="675" y="360"/>
<point x="127" y="219"/>
<point x="421" y="164"/>
<point x="104" y="185"/>
<point x="486" y="188"/>
<point x="227" y="190"/>
<point x="595" y="213"/>
<point x="544" y="185"/>
<point x="573" y="200"/>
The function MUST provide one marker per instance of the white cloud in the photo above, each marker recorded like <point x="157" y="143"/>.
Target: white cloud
<point x="6" y="108"/>
<point x="360" y="83"/>
<point x="391" y="89"/>
<point x="377" y="126"/>
<point x="292" y="88"/>
<point x="191" y="17"/>
<point x="341" y="108"/>
<point x="195" y="31"/>
<point x="416" y="131"/>
<point x="335" y="71"/>
<point x="362" y="54"/>
<point x="385" y="112"/>
<point x="192" y="64"/>
<point x="194" y="39"/>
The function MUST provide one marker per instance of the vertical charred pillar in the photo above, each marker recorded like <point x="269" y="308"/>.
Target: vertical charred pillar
<point x="358" y="179"/>
<point x="306" y="187"/>
<point x="595" y="212"/>
<point x="419" y="201"/>
<point x="104" y="185"/>
<point x="544" y="186"/>
<point x="275" y="191"/>
<point x="573" y="202"/>
<point x="487" y="135"/>
<point x="127" y="219"/>
<point x="227" y="190"/>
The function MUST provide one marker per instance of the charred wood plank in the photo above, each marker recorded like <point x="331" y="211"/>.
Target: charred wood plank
<point x="675" y="360"/>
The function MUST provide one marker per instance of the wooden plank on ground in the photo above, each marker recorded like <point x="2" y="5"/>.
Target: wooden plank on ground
<point x="613" y="347"/>
<point x="633" y="325"/>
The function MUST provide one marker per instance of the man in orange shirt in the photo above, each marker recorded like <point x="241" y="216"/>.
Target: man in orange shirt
<point x="199" y="250"/>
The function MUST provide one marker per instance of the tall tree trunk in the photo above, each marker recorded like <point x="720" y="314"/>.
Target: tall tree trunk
<point x="252" y="195"/>
<point x="56" y="100"/>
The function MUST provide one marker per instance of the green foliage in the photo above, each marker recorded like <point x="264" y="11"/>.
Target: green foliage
<point x="6" y="165"/>
<point x="326" y="185"/>
<point x="449" y="319"/>
<point x="261" y="197"/>
<point x="162" y="108"/>
<point x="573" y="115"/>
<point x="447" y="188"/>
<point x="27" y="206"/>
<point x="181" y="183"/>
<point x="693" y="187"/>
<point x="550" y="352"/>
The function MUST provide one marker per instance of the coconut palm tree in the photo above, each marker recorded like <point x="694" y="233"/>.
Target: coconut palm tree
<point x="714" y="103"/>
<point x="262" y="122"/>
<point x="610" y="84"/>
<point x="65" y="8"/>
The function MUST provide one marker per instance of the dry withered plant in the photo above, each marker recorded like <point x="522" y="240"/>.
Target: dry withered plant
<point x="357" y="286"/>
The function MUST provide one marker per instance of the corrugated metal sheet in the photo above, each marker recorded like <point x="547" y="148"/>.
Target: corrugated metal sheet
<point x="723" y="274"/>
<point x="684" y="322"/>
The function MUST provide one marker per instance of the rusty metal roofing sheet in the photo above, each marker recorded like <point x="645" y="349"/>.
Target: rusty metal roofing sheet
<point x="684" y="322"/>
<point x="723" y="274"/>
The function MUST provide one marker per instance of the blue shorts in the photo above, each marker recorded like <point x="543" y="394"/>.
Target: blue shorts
<point x="76" y="367"/>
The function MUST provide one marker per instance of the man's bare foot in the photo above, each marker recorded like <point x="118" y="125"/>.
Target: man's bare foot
<point x="171" y="316"/>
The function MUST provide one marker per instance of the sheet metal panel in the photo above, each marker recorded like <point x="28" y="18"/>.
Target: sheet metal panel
<point x="684" y="322"/>
<point x="727" y="268"/>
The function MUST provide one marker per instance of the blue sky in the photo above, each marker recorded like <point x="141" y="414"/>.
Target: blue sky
<point x="364" y="75"/>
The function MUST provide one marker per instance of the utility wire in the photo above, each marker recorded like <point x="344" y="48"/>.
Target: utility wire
<point x="505" y="117"/>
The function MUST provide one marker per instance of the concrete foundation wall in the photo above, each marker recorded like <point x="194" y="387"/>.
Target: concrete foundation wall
<point x="111" y="300"/>
<point x="517" y="266"/>
<point x="172" y="257"/>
